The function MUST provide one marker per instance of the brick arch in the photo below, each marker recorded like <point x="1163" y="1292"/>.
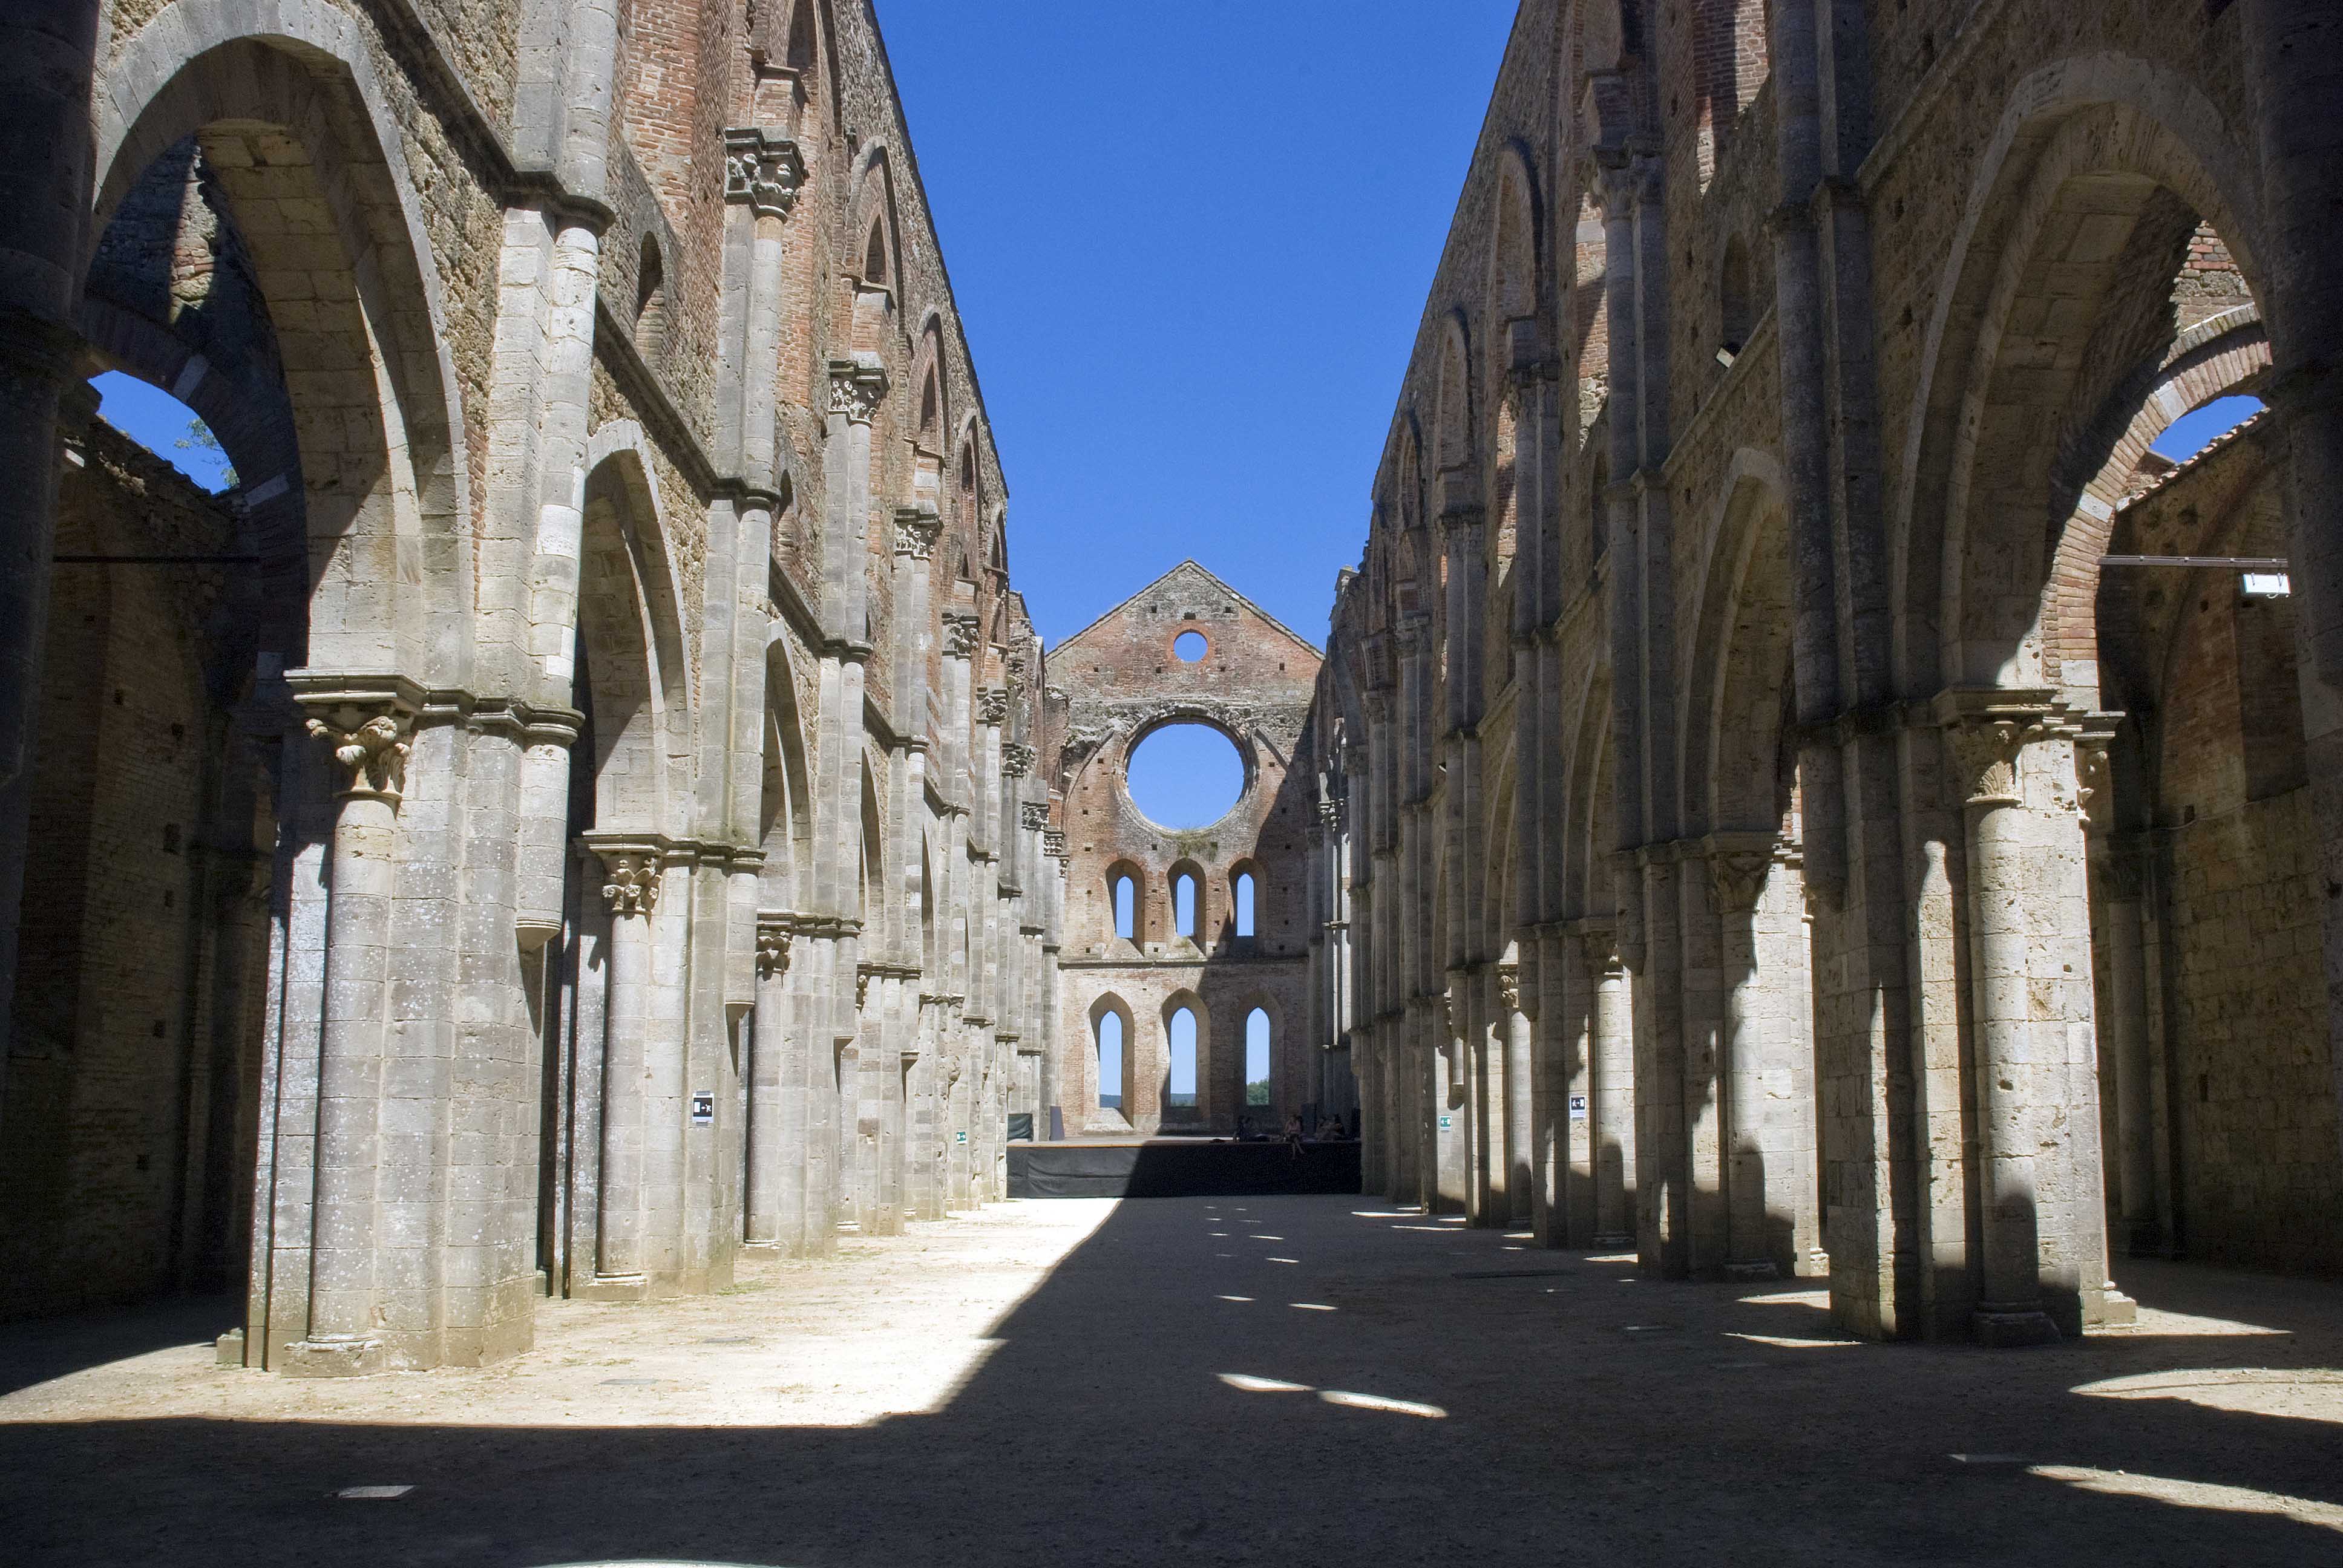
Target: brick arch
<point x="1741" y="653"/>
<point x="1503" y="892"/>
<point x="376" y="397"/>
<point x="630" y="639"/>
<point x="1453" y="422"/>
<point x="785" y="808"/>
<point x="1516" y="262"/>
<point x="1586" y="867"/>
<point x="2224" y="354"/>
<point x="2105" y="123"/>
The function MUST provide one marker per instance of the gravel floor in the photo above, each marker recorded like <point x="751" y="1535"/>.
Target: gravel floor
<point x="1196" y="1381"/>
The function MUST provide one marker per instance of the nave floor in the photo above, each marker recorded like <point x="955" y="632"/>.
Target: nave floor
<point x="1290" y="1381"/>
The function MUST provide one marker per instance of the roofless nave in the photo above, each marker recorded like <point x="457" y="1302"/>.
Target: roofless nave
<point x="589" y="799"/>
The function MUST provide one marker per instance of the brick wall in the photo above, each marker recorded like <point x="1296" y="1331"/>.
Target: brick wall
<point x="108" y="1098"/>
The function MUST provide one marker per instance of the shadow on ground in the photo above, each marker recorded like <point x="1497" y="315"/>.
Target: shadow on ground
<point x="1492" y="1404"/>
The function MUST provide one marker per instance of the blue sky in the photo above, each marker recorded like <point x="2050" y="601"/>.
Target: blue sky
<point x="1190" y="245"/>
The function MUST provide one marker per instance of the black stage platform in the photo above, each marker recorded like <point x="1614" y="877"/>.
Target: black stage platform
<point x="1178" y="1168"/>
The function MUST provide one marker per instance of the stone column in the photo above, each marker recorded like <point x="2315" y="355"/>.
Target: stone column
<point x="776" y="1208"/>
<point x="1517" y="1007"/>
<point x="1706" y="1092"/>
<point x="1553" y="1056"/>
<point x="1987" y="749"/>
<point x="1611" y="1049"/>
<point x="1663" y="1209"/>
<point x="348" y="1293"/>
<point x="1737" y="877"/>
<point x="631" y="889"/>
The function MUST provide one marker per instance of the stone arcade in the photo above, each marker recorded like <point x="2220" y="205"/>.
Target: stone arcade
<point x="588" y="799"/>
<point x="1790" y="827"/>
<point x="567" y="814"/>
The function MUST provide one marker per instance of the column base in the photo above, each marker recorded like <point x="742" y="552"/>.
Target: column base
<point x="619" y="1288"/>
<point x="2117" y="1310"/>
<point x="333" y="1355"/>
<point x="2010" y="1328"/>
<point x="1760" y="1271"/>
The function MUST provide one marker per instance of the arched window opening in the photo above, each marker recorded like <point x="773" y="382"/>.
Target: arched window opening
<point x="650" y="301"/>
<point x="1242" y="897"/>
<point x="801" y="36"/>
<point x="165" y="427"/>
<point x="928" y="405"/>
<point x="1180" y="1091"/>
<point x="1124" y="890"/>
<point x="1257" y="1083"/>
<point x="1736" y="303"/>
<point x="874" y="257"/>
<point x="1183" y="903"/>
<point x="2201" y="427"/>
<point x="1109" y="1061"/>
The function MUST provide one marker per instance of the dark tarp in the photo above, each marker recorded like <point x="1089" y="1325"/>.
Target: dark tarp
<point x="1020" y="1126"/>
<point x="1180" y="1170"/>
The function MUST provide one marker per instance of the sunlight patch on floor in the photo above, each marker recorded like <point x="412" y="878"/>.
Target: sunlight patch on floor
<point x="1251" y="1384"/>
<point x="1790" y="1342"/>
<point x="2193" y="1494"/>
<point x="1377" y="1402"/>
<point x="1789" y="1299"/>
<point x="2157" y="1320"/>
<point x="2304" y="1393"/>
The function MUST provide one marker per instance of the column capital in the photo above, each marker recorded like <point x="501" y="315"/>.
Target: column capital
<point x="1035" y="816"/>
<point x="366" y="720"/>
<point x="857" y="386"/>
<point x="1737" y="867"/>
<point x="916" y="531"/>
<point x="1984" y="728"/>
<point x="960" y="633"/>
<point x="1053" y="844"/>
<point x="1509" y="991"/>
<point x="774" y="930"/>
<point x="763" y="168"/>
<point x="2095" y="799"/>
<point x="992" y="705"/>
<point x="1017" y="759"/>
<point x="630" y="870"/>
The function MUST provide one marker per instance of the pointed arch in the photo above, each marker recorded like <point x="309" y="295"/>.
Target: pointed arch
<point x="1963" y="605"/>
<point x="377" y="404"/>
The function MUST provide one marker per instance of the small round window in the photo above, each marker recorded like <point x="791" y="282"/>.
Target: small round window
<point x="1190" y="647"/>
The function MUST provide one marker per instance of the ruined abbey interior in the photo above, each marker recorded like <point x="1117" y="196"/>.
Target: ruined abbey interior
<point x="1794" y="789"/>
